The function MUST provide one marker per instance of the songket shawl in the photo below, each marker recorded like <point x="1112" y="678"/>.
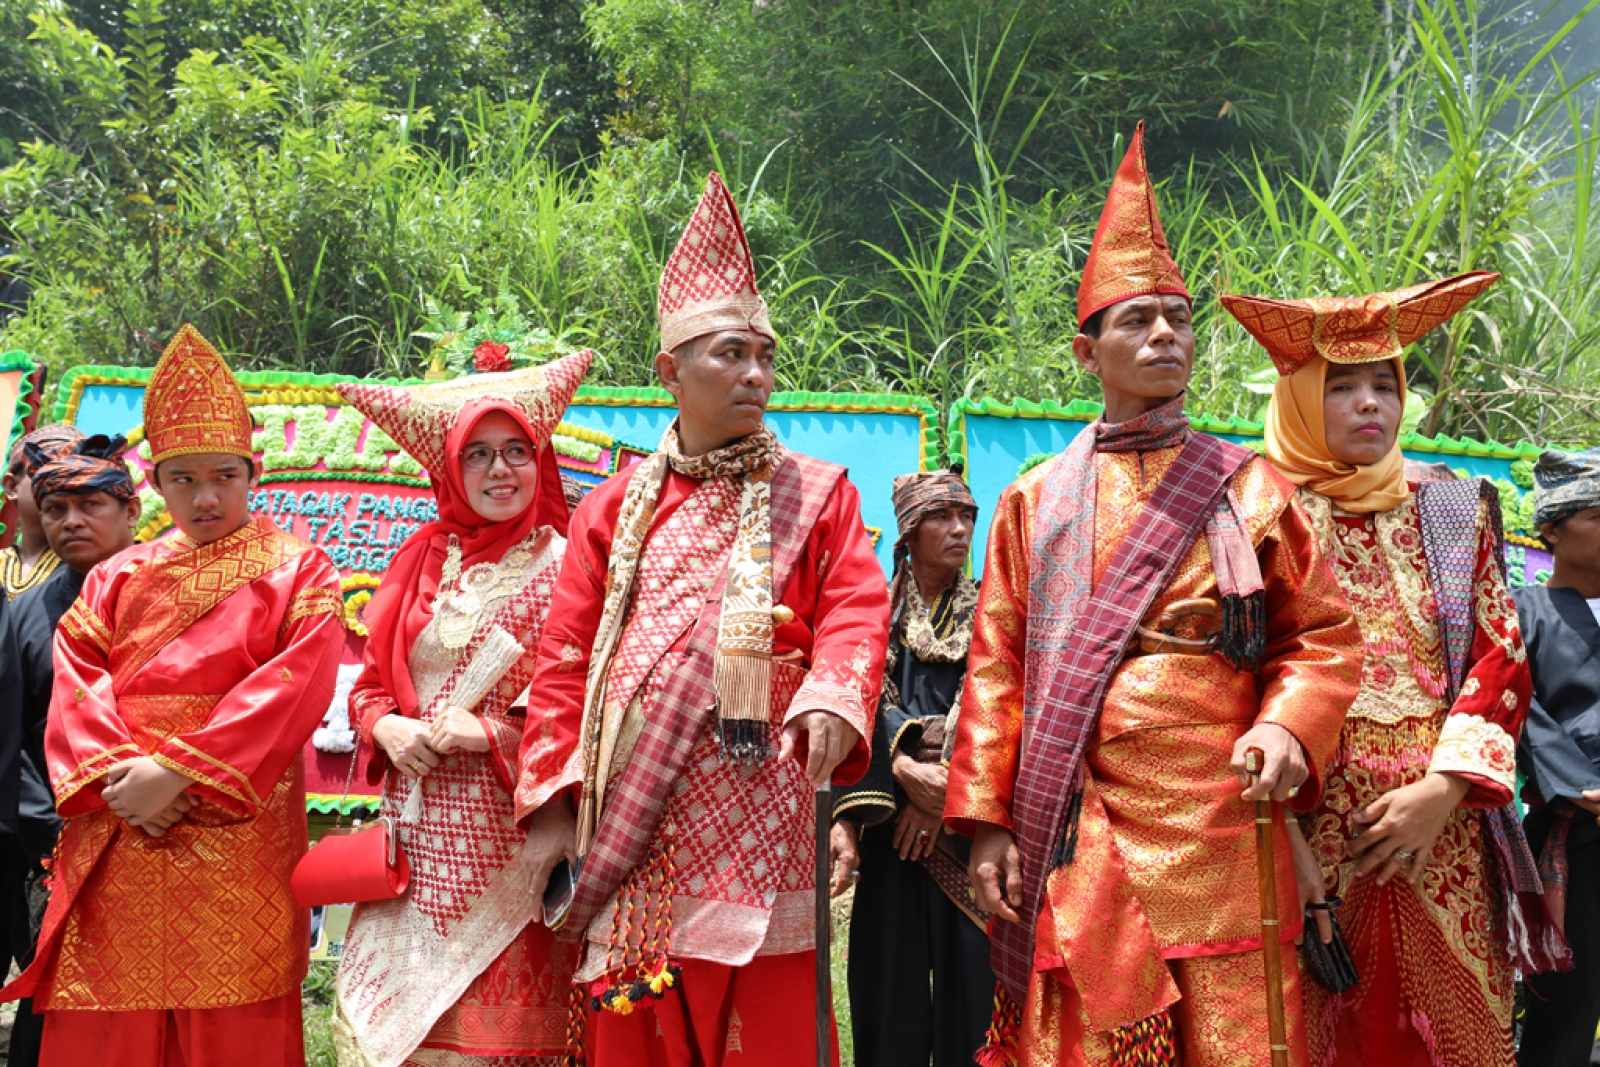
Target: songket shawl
<point x="1077" y="633"/>
<point x="1448" y="512"/>
<point x="621" y="831"/>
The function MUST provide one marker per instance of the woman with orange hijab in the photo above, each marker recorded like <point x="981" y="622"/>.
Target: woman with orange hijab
<point x="1411" y="832"/>
<point x="459" y="970"/>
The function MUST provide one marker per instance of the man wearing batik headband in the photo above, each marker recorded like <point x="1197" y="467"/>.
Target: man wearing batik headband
<point x="87" y="508"/>
<point x="1154" y="605"/>
<point x="29" y="561"/>
<point x="913" y="919"/>
<point x="189" y="674"/>
<point x="714" y="649"/>
<point x="1412" y="842"/>
<point x="1559" y="752"/>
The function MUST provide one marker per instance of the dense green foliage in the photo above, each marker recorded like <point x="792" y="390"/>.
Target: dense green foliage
<point x="329" y="184"/>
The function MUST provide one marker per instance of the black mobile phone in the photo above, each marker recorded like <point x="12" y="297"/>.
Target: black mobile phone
<point x="558" y="893"/>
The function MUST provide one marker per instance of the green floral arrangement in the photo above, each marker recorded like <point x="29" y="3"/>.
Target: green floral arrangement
<point x="495" y="338"/>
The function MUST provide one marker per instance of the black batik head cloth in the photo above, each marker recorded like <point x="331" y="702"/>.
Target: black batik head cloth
<point x="916" y="496"/>
<point x="92" y="465"/>
<point x="57" y="437"/>
<point x="1565" y="483"/>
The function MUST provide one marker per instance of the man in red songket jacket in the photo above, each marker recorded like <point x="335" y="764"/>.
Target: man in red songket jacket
<point x="1154" y="605"/>
<point x="714" y="648"/>
<point x="188" y="677"/>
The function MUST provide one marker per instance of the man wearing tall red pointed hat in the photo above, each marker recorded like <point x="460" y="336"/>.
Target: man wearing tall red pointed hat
<point x="714" y="650"/>
<point x="189" y="675"/>
<point x="1415" y="843"/>
<point x="1154" y="605"/>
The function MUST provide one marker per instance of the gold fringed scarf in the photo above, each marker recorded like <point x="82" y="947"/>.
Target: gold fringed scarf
<point x="743" y="670"/>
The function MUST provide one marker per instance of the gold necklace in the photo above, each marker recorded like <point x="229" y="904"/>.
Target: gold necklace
<point x="464" y="599"/>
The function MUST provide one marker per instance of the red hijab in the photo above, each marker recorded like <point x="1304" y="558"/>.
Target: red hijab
<point x="403" y="604"/>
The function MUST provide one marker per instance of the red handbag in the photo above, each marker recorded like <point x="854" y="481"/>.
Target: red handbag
<point x="352" y="866"/>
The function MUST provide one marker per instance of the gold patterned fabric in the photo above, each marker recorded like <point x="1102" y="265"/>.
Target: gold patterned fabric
<point x="1436" y="981"/>
<point x="1129" y="256"/>
<point x="1164" y="839"/>
<point x="1221" y="1018"/>
<point x="203" y="917"/>
<point x="193" y="403"/>
<point x="1360" y="329"/>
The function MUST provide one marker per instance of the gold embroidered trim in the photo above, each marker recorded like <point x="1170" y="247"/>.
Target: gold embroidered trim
<point x="317" y="600"/>
<point x="1472" y="745"/>
<point x="82" y="623"/>
<point x="15" y="582"/>
<point x="249" y="790"/>
<point x="93" y="768"/>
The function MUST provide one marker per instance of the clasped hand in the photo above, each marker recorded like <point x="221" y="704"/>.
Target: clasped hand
<point x="416" y="748"/>
<point x="147" y="795"/>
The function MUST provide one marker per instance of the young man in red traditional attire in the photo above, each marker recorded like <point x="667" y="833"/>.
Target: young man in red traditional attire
<point x="1100" y="751"/>
<point x="188" y="677"/>
<point x="714" y="651"/>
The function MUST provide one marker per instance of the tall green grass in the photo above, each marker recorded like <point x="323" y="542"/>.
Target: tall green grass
<point x="262" y="195"/>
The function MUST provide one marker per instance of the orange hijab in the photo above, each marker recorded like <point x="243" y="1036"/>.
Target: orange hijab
<point x="1297" y="444"/>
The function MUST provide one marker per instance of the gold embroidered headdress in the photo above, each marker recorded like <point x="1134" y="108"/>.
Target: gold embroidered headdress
<point x="1129" y="256"/>
<point x="1306" y="337"/>
<point x="420" y="417"/>
<point x="709" y="283"/>
<point x="1353" y="329"/>
<point x="193" y="404"/>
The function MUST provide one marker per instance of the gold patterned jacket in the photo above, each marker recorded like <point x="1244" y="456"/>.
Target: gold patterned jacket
<point x="218" y="661"/>
<point x="1163" y="836"/>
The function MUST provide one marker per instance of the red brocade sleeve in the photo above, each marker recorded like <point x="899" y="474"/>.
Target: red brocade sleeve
<point x="263" y="722"/>
<point x="1479" y="739"/>
<point x="1311" y="669"/>
<point x="988" y="745"/>
<point x="84" y="736"/>
<point x="841" y="625"/>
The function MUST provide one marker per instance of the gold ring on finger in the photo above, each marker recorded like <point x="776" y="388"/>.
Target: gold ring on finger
<point x="416" y="765"/>
<point x="1294" y="791"/>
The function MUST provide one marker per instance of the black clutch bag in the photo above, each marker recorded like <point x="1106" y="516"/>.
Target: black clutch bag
<point x="1330" y="965"/>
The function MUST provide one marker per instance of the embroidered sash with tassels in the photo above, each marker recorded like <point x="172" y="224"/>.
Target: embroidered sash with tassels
<point x="1447" y="511"/>
<point x="1079" y="646"/>
<point x="634" y="807"/>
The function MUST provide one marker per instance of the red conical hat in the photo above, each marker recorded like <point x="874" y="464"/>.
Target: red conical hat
<point x="420" y="417"/>
<point x="193" y="404"/>
<point x="1129" y="256"/>
<point x="709" y="282"/>
<point x="1358" y="329"/>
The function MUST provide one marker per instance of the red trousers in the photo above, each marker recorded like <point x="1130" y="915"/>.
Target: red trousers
<point x="761" y="1015"/>
<point x="265" y="1034"/>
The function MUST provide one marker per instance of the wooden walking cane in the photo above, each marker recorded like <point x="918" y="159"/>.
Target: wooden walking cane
<point x="1271" y="945"/>
<point x="824" y="929"/>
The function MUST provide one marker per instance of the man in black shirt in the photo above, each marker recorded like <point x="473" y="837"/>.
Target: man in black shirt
<point x="913" y="915"/>
<point x="88" y="510"/>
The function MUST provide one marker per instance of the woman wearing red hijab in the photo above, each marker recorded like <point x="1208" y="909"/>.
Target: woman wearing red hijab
<point x="458" y="970"/>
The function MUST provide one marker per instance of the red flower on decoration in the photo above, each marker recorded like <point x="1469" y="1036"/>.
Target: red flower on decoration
<point x="490" y="357"/>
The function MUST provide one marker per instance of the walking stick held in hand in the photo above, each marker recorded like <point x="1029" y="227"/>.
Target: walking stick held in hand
<point x="1271" y="945"/>
<point x="824" y="928"/>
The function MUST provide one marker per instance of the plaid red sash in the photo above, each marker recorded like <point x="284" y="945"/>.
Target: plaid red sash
<point x="1049" y="781"/>
<point x="801" y="487"/>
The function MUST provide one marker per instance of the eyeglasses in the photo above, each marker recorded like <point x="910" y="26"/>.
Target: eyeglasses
<point x="480" y="457"/>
